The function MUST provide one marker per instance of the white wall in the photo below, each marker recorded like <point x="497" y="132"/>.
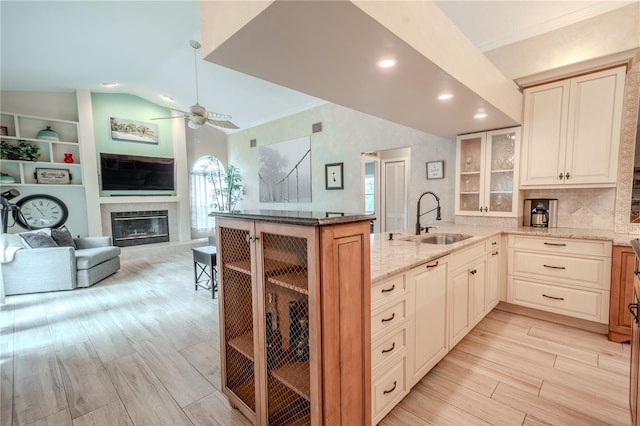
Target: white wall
<point x="345" y="135"/>
<point x="607" y="34"/>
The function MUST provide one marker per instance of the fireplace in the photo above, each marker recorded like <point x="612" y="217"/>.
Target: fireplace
<point x="141" y="227"/>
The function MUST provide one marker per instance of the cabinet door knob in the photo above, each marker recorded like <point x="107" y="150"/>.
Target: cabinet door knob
<point x="480" y="209"/>
<point x="495" y="253"/>
<point x="387" y="290"/>
<point x="560" y="176"/>
<point x="567" y="175"/>
<point x="486" y="209"/>
<point x="386" y="391"/>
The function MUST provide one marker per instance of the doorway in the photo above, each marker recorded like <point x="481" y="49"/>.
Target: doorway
<point x="385" y="180"/>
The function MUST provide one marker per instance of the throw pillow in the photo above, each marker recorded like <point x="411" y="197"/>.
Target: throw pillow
<point x="38" y="239"/>
<point x="62" y="236"/>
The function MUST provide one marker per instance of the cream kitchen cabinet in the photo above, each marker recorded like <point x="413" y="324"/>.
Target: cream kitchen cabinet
<point x="494" y="273"/>
<point x="571" y="131"/>
<point x="565" y="276"/>
<point x="390" y="341"/>
<point x="487" y="173"/>
<point x="428" y="312"/>
<point x="466" y="291"/>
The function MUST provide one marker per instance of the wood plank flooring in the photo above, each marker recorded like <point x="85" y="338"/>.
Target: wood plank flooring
<point x="142" y="348"/>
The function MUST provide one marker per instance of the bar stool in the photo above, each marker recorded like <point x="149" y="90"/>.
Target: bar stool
<point x="204" y="268"/>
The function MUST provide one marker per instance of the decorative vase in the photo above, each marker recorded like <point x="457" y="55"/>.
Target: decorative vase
<point x="68" y="158"/>
<point x="48" y="134"/>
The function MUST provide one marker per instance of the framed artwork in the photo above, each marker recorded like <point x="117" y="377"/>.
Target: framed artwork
<point x="435" y="169"/>
<point x="285" y="171"/>
<point x="333" y="176"/>
<point x="53" y="176"/>
<point x="134" y="131"/>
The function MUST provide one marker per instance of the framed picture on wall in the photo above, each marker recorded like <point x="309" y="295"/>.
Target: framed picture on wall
<point x="333" y="176"/>
<point x="435" y="169"/>
<point x="134" y="131"/>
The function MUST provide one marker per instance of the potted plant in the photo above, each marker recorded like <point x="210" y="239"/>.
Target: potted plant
<point x="20" y="151"/>
<point x="227" y="188"/>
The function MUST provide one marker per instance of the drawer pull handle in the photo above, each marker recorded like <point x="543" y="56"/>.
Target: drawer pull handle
<point x="554" y="267"/>
<point x="387" y="290"/>
<point x="434" y="265"/>
<point x="553" y="297"/>
<point x="473" y="271"/>
<point x="555" y="244"/>
<point x="393" y="315"/>
<point x="493" y="243"/>
<point x="395" y="383"/>
<point x="384" y="351"/>
<point x="495" y="253"/>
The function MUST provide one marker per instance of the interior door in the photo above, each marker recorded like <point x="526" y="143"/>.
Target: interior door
<point x="395" y="195"/>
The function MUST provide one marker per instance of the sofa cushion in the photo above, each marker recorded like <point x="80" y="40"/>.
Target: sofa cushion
<point x="38" y="239"/>
<point x="62" y="236"/>
<point x="90" y="257"/>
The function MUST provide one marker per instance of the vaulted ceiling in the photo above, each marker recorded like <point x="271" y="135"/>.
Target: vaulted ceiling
<point x="143" y="46"/>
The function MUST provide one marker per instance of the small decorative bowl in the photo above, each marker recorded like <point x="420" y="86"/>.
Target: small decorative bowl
<point x="48" y="134"/>
<point x="4" y="179"/>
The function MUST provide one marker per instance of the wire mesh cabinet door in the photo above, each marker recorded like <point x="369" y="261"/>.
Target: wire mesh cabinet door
<point x="285" y="284"/>
<point x="237" y="307"/>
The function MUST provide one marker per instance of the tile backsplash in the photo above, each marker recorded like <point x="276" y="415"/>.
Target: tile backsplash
<point x="589" y="208"/>
<point x="581" y="208"/>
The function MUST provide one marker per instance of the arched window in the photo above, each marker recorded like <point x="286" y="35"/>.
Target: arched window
<point x="208" y="185"/>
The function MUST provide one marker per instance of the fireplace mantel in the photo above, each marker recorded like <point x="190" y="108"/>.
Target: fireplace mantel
<point x="139" y="199"/>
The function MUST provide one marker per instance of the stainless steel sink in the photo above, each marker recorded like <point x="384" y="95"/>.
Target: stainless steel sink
<point x="443" y="238"/>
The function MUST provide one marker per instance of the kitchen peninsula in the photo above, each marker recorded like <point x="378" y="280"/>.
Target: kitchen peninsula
<point x="294" y="316"/>
<point x="560" y="274"/>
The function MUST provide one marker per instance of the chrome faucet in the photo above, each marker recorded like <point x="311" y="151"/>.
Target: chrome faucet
<point x="418" y="214"/>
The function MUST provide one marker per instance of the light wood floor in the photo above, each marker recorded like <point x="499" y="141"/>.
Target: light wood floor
<point x="142" y="348"/>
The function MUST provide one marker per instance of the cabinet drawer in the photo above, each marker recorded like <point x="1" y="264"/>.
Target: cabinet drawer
<point x="387" y="318"/>
<point x="389" y="288"/>
<point x="388" y="348"/>
<point x="493" y="243"/>
<point x="579" y="271"/>
<point x="561" y="245"/>
<point x="591" y="305"/>
<point x="388" y="390"/>
<point x="466" y="256"/>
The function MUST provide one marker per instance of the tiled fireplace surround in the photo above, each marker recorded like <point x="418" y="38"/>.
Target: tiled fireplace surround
<point x="172" y="210"/>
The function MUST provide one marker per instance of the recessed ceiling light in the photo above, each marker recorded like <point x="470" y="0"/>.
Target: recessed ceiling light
<point x="167" y="98"/>
<point x="445" y="96"/>
<point x="480" y="115"/>
<point x="109" y="84"/>
<point x="387" y="63"/>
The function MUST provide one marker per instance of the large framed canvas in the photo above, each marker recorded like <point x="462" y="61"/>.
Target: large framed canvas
<point x="134" y="131"/>
<point x="285" y="171"/>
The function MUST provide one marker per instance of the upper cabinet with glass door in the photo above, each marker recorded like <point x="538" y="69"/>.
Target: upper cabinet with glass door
<point x="487" y="173"/>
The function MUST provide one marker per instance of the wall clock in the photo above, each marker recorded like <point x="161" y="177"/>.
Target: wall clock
<point x="40" y="211"/>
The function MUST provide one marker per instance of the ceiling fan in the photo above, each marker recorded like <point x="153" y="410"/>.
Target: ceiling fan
<point x="198" y="115"/>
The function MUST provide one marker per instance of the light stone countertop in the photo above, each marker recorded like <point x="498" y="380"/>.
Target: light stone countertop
<point x="403" y="253"/>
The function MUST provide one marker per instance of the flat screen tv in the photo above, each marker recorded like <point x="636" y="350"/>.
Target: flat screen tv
<point x="135" y="172"/>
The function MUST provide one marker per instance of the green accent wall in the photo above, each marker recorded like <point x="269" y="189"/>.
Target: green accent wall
<point x="107" y="105"/>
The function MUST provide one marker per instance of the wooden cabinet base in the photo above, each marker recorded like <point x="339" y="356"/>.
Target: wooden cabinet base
<point x="622" y="266"/>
